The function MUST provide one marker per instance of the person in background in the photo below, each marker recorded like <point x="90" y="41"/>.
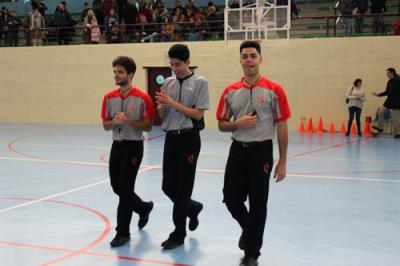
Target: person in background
<point x="355" y="98"/>
<point x="391" y="104"/>
<point x="36" y="27"/>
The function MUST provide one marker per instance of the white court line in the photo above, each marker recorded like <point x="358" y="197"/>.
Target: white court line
<point x="52" y="161"/>
<point x="345" y="159"/>
<point x="204" y="170"/>
<point x="64" y="193"/>
<point x="60" y="145"/>
<point x="221" y="171"/>
<point x="347" y="178"/>
<point x="105" y="148"/>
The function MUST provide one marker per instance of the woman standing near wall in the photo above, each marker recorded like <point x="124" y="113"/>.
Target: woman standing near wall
<point x="355" y="98"/>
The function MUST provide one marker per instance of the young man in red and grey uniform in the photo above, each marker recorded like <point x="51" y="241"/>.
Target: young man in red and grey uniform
<point x="181" y="103"/>
<point x="252" y="109"/>
<point x="127" y="111"/>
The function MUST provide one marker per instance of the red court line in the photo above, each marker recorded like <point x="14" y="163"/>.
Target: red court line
<point x="221" y="171"/>
<point x="10" y="146"/>
<point x="103" y="157"/>
<point x="85" y="249"/>
<point x="335" y="146"/>
<point x="216" y="170"/>
<point x="91" y="253"/>
<point x="105" y="232"/>
<point x="155" y="137"/>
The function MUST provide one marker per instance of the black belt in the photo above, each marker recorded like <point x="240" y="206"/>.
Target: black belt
<point x="182" y="131"/>
<point x="246" y="144"/>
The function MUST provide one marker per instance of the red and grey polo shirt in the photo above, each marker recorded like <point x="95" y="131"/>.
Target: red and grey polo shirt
<point x="265" y="97"/>
<point x="137" y="105"/>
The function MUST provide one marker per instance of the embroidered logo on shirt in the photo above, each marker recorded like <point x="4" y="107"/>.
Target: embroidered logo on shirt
<point x="133" y="108"/>
<point x="172" y="86"/>
<point x="261" y="100"/>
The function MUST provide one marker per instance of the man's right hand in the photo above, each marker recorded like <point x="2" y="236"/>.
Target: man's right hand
<point x="118" y="118"/>
<point x="246" y="121"/>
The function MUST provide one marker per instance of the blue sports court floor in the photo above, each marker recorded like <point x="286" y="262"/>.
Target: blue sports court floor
<point x="339" y="204"/>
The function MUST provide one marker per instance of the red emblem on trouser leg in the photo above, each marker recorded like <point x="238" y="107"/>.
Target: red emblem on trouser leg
<point x="190" y="158"/>
<point x="266" y="167"/>
<point x="134" y="161"/>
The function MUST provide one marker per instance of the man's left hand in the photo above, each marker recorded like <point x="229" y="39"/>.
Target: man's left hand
<point x="163" y="98"/>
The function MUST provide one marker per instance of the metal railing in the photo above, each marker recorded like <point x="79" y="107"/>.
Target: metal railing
<point x="149" y="32"/>
<point x="122" y="33"/>
<point x="332" y="21"/>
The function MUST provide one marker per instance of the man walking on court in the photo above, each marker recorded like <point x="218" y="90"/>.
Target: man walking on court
<point x="252" y="109"/>
<point x="127" y="111"/>
<point x="181" y="102"/>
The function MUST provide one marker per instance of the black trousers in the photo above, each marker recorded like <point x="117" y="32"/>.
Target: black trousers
<point x="359" y="23"/>
<point x="125" y="159"/>
<point x="378" y="24"/>
<point x="247" y="174"/>
<point x="64" y="36"/>
<point x="353" y="110"/>
<point x="179" y="168"/>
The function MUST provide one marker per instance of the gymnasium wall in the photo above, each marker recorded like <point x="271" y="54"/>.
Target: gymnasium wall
<point x="65" y="84"/>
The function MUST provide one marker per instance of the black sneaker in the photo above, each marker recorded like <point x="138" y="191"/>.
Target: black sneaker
<point x="194" y="221"/>
<point x="375" y="133"/>
<point x="119" y="241"/>
<point x="377" y="128"/>
<point x="359" y="134"/>
<point x="242" y="243"/>
<point x="397" y="136"/>
<point x="248" y="261"/>
<point x="172" y="243"/>
<point x="145" y="217"/>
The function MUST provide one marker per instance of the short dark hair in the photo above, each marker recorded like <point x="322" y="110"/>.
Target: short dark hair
<point x="179" y="51"/>
<point x="392" y="70"/>
<point x="250" y="44"/>
<point x="126" y="62"/>
<point x="355" y="83"/>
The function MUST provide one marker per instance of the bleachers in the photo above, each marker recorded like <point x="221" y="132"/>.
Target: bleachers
<point x="311" y="25"/>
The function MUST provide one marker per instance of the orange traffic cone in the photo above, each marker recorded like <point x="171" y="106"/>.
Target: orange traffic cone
<point x="310" y="127"/>
<point x="302" y="128"/>
<point x="332" y="129"/>
<point x="368" y="130"/>
<point x="343" y="129"/>
<point x="320" y="129"/>
<point x="353" y="130"/>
